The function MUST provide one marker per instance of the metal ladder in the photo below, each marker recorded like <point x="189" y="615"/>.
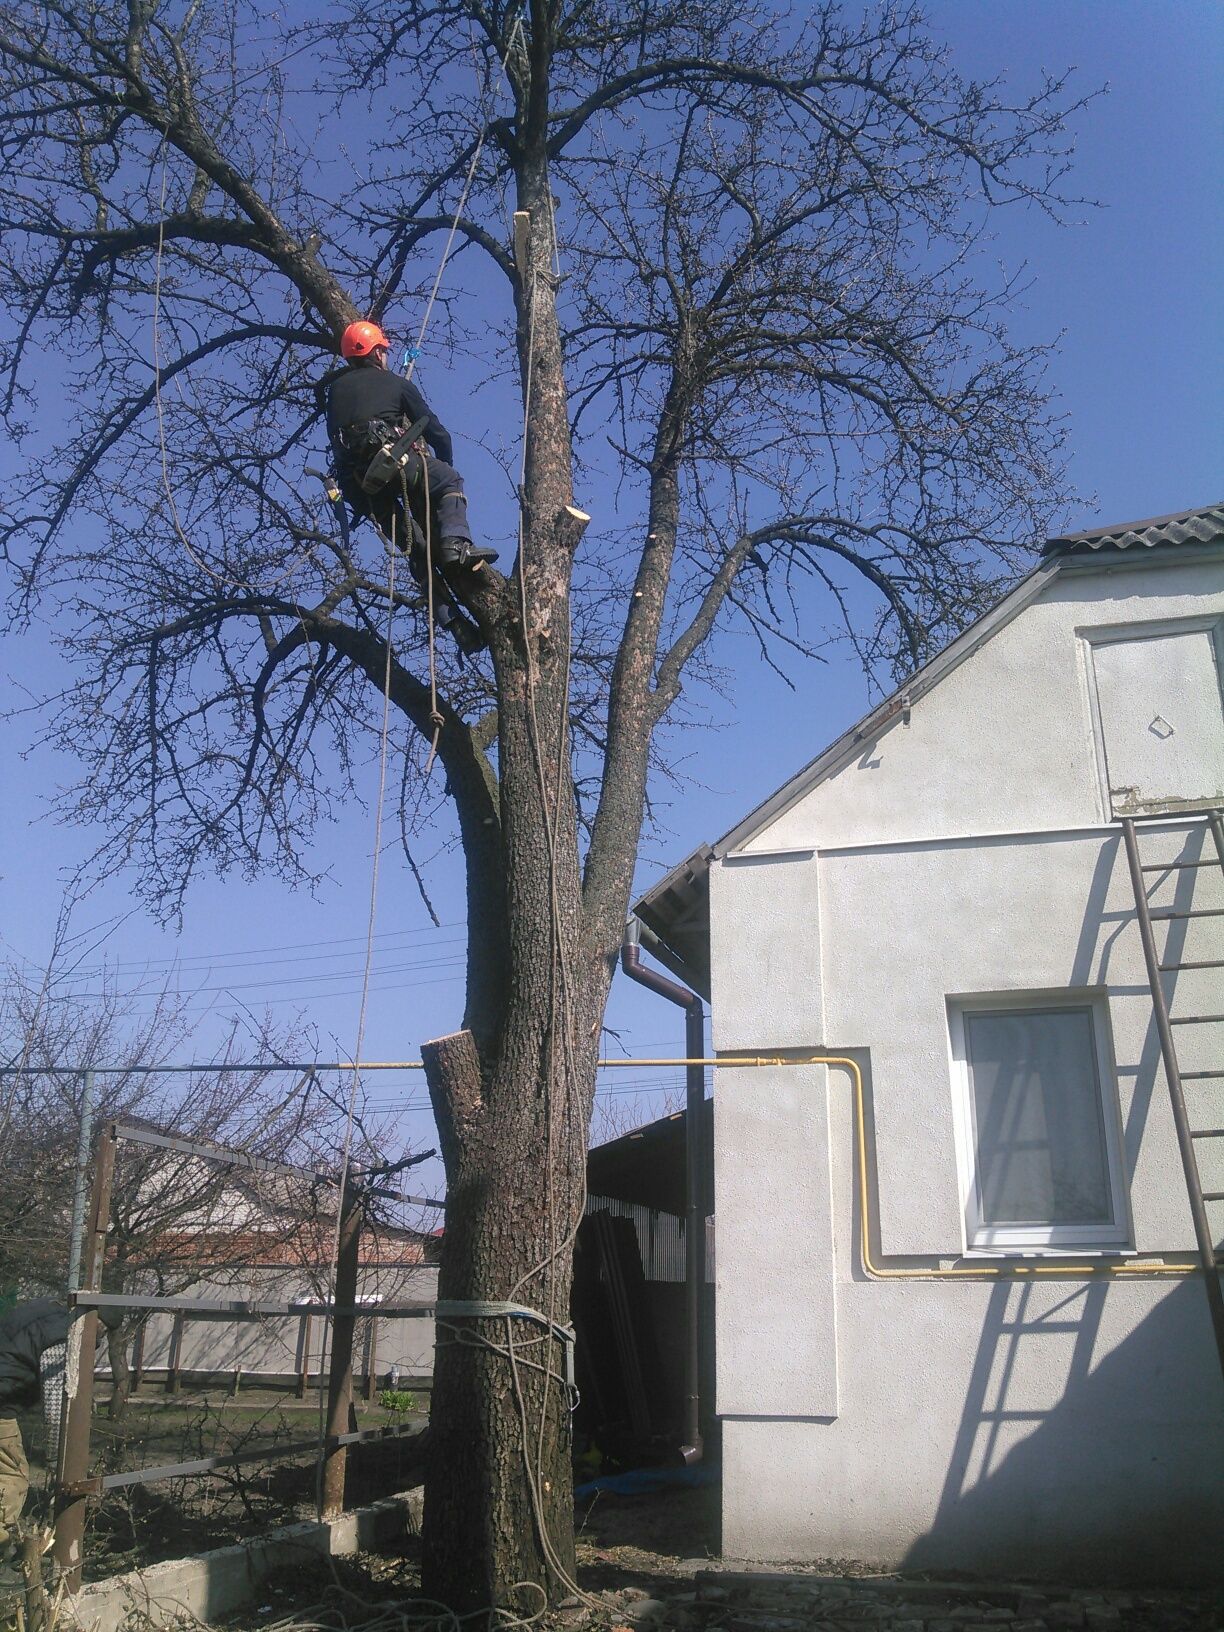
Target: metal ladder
<point x="1156" y="966"/>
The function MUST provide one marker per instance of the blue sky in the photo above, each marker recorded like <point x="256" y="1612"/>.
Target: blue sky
<point x="1133" y="288"/>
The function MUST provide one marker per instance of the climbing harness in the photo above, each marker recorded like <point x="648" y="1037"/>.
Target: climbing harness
<point x="391" y="455"/>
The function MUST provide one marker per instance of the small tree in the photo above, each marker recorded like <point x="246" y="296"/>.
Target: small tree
<point x="770" y="315"/>
<point x="163" y="1202"/>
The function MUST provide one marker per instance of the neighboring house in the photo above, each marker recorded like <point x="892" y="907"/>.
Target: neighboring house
<point x="270" y="1238"/>
<point x="944" y="897"/>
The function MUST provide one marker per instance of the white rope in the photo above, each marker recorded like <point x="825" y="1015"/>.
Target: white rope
<point x="463" y="198"/>
<point x="384" y="734"/>
<point x="435" y="717"/>
<point x="560" y="995"/>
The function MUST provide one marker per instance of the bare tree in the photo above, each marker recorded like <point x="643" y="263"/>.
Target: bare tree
<point x="771" y="311"/>
<point x="164" y="1202"/>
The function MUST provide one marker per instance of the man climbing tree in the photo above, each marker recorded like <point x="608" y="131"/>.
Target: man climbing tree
<point x="374" y="421"/>
<point x="741" y="283"/>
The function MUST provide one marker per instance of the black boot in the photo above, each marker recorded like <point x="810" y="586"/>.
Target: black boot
<point x="461" y="552"/>
<point x="465" y="634"/>
<point x="455" y="546"/>
<point x="468" y="637"/>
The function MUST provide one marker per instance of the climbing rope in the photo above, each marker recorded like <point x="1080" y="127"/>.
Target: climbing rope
<point x="561" y="994"/>
<point x="346" y="1155"/>
<point x="436" y="718"/>
<point x="412" y="353"/>
<point x="560" y="997"/>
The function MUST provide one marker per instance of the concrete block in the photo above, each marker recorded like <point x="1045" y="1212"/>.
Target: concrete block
<point x="210" y="1585"/>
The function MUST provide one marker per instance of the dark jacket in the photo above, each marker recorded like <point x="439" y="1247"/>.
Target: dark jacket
<point x="25" y="1331"/>
<point x="361" y="391"/>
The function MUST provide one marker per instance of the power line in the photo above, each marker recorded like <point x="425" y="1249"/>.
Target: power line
<point x="419" y="1103"/>
<point x="292" y="980"/>
<point x="178" y="961"/>
<point x="185" y="1004"/>
<point x="253" y="962"/>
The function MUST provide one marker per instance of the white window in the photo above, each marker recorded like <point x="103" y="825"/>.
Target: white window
<point x="1038" y="1124"/>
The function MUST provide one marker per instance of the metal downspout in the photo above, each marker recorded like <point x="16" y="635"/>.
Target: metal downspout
<point x="694" y="1209"/>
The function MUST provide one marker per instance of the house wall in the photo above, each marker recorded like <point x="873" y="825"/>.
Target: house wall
<point x="1041" y="1425"/>
<point x="1005" y="742"/>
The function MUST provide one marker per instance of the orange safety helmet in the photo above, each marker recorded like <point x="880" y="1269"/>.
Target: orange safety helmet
<point x="361" y="339"/>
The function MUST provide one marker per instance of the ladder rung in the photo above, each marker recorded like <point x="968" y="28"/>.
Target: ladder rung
<point x="1213" y="1195"/>
<point x="1192" y="912"/>
<point x="1200" y="963"/>
<point x="1178" y="866"/>
<point x="1207" y="1133"/>
<point x="1192" y="1076"/>
<point x="1194" y="1019"/>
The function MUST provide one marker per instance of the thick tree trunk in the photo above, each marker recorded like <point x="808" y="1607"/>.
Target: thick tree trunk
<point x="498" y="1497"/>
<point x="513" y="1093"/>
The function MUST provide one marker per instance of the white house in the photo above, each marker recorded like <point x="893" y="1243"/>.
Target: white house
<point x="1008" y="1364"/>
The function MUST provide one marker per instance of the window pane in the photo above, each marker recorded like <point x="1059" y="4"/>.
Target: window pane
<point x="1037" y="1115"/>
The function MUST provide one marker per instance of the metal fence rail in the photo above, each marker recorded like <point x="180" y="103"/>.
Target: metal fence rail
<point x="243" y="1308"/>
<point x="75" y="1484"/>
<point x="155" y="1473"/>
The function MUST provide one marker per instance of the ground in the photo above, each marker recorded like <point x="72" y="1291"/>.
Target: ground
<point x="646" y="1563"/>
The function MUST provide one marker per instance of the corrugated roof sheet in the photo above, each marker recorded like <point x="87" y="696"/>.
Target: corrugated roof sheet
<point x="1204" y="526"/>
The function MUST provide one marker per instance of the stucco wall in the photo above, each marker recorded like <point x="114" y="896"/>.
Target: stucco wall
<point x="1051" y="1429"/>
<point x="1037" y="1425"/>
<point x="1005" y="742"/>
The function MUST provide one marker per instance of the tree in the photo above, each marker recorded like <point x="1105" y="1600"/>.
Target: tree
<point x="73" y="1015"/>
<point x="772" y="312"/>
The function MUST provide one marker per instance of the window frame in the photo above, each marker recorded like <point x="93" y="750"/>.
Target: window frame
<point x="1049" y="1239"/>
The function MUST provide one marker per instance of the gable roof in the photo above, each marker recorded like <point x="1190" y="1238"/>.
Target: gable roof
<point x="1186" y="527"/>
<point x="676" y="910"/>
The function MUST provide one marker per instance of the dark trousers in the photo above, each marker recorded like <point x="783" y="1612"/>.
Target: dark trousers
<point x="14" y="1477"/>
<point x="435" y="496"/>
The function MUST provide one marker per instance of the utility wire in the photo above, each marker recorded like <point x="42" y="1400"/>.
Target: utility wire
<point x="313" y="979"/>
<point x="262" y="956"/>
<point x="384" y="735"/>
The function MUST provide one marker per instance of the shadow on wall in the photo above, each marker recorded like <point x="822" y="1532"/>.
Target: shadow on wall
<point x="1119" y="1478"/>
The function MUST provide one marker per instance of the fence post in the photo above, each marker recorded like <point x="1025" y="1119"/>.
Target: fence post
<point x="70" y="1502"/>
<point x="303" y="1378"/>
<point x="80" y="1189"/>
<point x="174" y="1359"/>
<point x="371" y="1357"/>
<point x="138" y="1348"/>
<point x="340" y="1370"/>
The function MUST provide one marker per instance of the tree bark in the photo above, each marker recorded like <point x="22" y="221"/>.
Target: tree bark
<point x="499" y="1494"/>
<point x="513" y="1099"/>
<point x="121" y="1375"/>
